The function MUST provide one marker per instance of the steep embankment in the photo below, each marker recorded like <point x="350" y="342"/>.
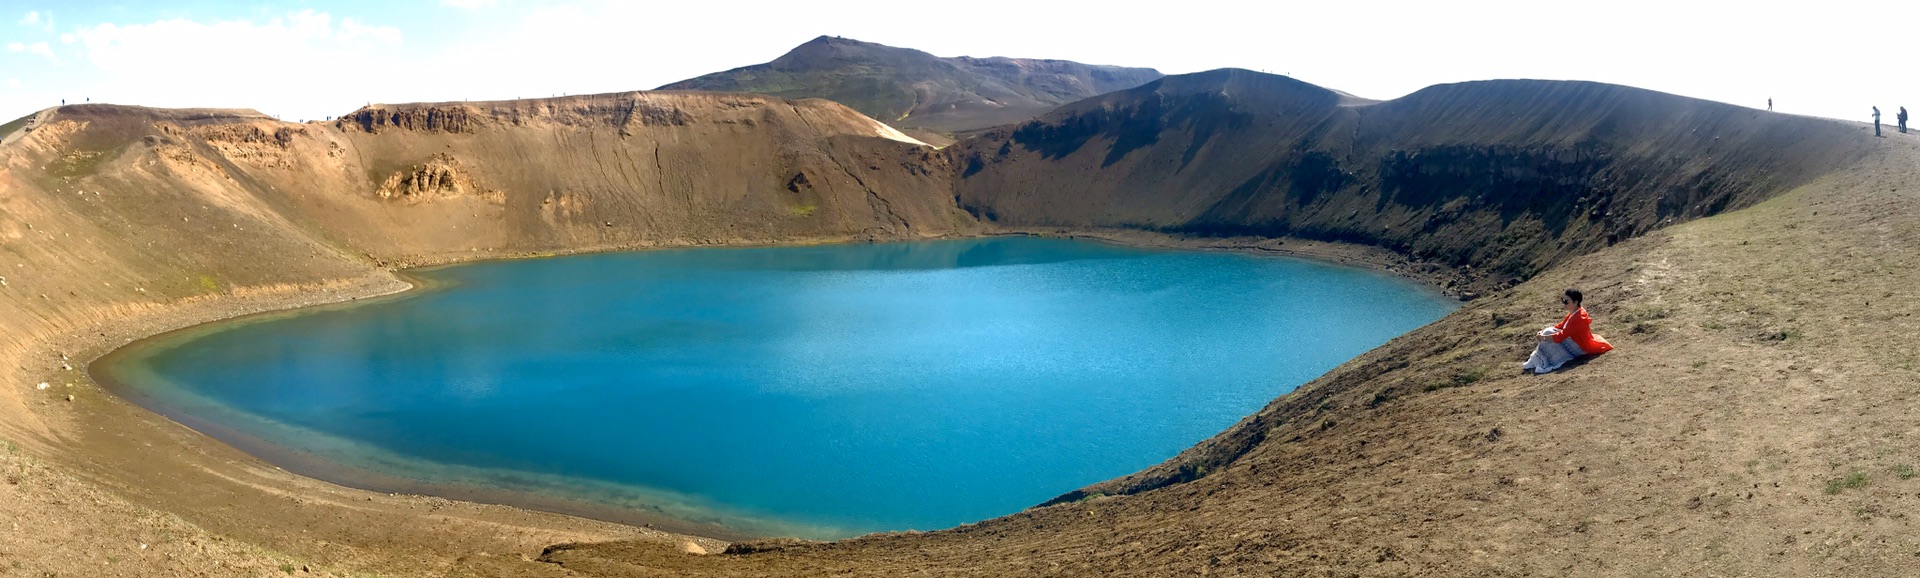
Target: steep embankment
<point x="1756" y="420"/>
<point x="933" y="97"/>
<point x="1751" y="422"/>
<point x="120" y="222"/>
<point x="1504" y="177"/>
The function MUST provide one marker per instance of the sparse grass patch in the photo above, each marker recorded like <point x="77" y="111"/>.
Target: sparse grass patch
<point x="1855" y="480"/>
<point x="1460" y="379"/>
<point x="1903" y="471"/>
<point x="804" y="210"/>
<point x="1712" y="325"/>
<point x="77" y="164"/>
<point x="286" y="567"/>
<point x="1699" y="364"/>
<point x="1644" y="313"/>
<point x="14" y="125"/>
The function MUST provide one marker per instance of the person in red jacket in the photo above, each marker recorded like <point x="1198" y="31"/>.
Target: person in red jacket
<point x="1571" y="338"/>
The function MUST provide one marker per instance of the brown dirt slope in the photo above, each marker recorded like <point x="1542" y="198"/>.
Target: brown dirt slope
<point x="920" y="92"/>
<point x="122" y="222"/>
<point x="1756" y="420"/>
<point x="1506" y="177"/>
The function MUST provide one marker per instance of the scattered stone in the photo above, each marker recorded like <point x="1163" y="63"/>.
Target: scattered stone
<point x="42" y="387"/>
<point x="692" y="548"/>
<point x="69" y="398"/>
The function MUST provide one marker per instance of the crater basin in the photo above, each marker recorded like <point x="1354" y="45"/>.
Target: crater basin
<point x="818" y="391"/>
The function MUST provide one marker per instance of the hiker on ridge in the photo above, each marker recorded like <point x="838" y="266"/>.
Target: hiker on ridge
<point x="1570" y="339"/>
<point x="1876" y="121"/>
<point x="1902" y="117"/>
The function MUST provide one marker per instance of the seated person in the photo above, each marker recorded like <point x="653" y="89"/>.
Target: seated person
<point x="1571" y="338"/>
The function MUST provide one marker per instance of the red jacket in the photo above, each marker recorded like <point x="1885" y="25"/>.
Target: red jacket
<point x="1579" y="327"/>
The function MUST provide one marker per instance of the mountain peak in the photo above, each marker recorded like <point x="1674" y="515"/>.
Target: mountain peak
<point x="914" y="90"/>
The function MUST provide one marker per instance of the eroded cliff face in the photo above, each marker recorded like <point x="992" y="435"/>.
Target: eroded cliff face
<point x="110" y="212"/>
<point x="1504" y="178"/>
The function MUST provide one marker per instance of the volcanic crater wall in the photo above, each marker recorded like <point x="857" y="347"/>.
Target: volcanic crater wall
<point x="110" y="213"/>
<point x="1506" y="178"/>
<point x="115" y="215"/>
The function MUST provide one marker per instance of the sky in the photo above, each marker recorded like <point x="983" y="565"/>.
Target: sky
<point x="310" y="60"/>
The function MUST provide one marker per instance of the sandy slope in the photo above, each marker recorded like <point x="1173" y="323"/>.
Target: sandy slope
<point x="1753" y="370"/>
<point x="1759" y="367"/>
<point x="121" y="222"/>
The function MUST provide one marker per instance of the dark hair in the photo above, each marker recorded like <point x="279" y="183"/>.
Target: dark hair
<point x="1575" y="295"/>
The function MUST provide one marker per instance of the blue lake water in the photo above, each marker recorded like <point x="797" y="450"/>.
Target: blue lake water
<point x="816" y="391"/>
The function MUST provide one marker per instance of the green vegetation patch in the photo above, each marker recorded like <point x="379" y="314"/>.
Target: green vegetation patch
<point x="1903" y="471"/>
<point x="15" y="125"/>
<point x="1460" y="379"/>
<point x="1855" y="480"/>
<point x="78" y="164"/>
<point x="804" y="210"/>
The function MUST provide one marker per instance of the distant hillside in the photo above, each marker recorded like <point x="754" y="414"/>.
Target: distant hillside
<point x="1506" y="177"/>
<point x="919" y="92"/>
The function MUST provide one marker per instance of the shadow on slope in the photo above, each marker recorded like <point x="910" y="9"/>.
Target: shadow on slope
<point x="1504" y="177"/>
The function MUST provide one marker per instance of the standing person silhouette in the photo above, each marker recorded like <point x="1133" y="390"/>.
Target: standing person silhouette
<point x="1769" y="103"/>
<point x="1876" y="121"/>
<point x="1902" y="117"/>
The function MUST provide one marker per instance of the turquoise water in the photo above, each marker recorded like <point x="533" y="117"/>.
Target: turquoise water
<point x="819" y="391"/>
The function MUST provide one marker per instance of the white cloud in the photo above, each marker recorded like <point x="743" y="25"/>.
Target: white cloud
<point x="466" y="4"/>
<point x="39" y="48"/>
<point x="13" y="83"/>
<point x="36" y="18"/>
<point x="282" y="63"/>
<point x="68" y="38"/>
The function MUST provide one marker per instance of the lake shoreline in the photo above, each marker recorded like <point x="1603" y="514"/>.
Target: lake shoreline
<point x="397" y="281"/>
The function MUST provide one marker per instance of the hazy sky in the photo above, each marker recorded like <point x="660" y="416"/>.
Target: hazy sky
<point x="304" y="60"/>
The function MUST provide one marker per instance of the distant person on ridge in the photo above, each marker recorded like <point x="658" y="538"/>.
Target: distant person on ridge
<point x="1902" y="117"/>
<point x="1570" y="339"/>
<point x="1876" y="121"/>
<point x="1769" y="104"/>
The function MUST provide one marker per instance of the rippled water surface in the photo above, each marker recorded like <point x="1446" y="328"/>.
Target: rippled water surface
<point x="819" y="391"/>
